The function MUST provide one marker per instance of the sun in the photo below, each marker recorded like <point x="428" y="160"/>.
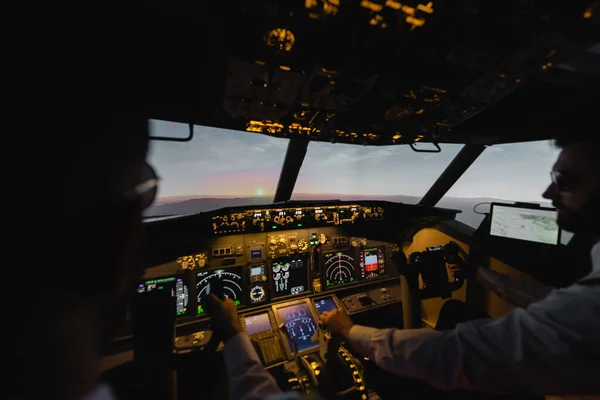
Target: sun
<point x="260" y="192"/>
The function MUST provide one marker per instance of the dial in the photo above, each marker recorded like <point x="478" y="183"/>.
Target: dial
<point x="231" y="280"/>
<point x="302" y="245"/>
<point x="257" y="294"/>
<point x="339" y="268"/>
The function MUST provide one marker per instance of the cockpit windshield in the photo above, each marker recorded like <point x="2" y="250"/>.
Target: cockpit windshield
<point x="217" y="168"/>
<point x="351" y="172"/>
<point x="220" y="168"/>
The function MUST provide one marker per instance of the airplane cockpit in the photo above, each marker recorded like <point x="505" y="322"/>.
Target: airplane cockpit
<point x="418" y="76"/>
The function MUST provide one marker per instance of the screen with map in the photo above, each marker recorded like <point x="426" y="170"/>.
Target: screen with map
<point x="532" y="224"/>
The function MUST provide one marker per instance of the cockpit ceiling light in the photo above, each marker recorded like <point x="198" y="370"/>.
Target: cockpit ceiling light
<point x="281" y="38"/>
<point x="428" y="8"/>
<point x="393" y="4"/>
<point x="418" y="138"/>
<point x="322" y="8"/>
<point x="415" y="22"/>
<point x="396" y="136"/>
<point x="587" y="13"/>
<point x="284" y="67"/>
<point x="413" y="15"/>
<point x="371" y="6"/>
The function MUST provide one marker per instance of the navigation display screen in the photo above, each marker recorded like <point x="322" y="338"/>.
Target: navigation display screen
<point x="300" y="324"/>
<point x="175" y="284"/>
<point x="326" y="304"/>
<point x="230" y="280"/>
<point x="521" y="223"/>
<point x="257" y="323"/>
<point x="339" y="268"/>
<point x="372" y="263"/>
<point x="289" y="275"/>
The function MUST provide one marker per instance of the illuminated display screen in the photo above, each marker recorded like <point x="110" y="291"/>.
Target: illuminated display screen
<point x="338" y="268"/>
<point x="230" y="279"/>
<point x="529" y="224"/>
<point x="257" y="323"/>
<point x="177" y="287"/>
<point x="372" y="263"/>
<point x="257" y="272"/>
<point x="326" y="304"/>
<point x="300" y="324"/>
<point x="289" y="275"/>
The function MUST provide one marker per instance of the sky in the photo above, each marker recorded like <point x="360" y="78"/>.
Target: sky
<point x="224" y="163"/>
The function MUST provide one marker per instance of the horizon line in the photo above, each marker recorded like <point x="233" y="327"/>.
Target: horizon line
<point x="331" y="196"/>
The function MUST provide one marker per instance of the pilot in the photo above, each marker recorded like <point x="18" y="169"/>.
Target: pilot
<point x="550" y="347"/>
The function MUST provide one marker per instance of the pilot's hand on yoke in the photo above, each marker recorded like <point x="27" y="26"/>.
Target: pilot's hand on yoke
<point x="224" y="319"/>
<point x="338" y="322"/>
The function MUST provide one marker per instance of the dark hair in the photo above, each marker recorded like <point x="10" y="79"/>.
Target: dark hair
<point x="589" y="139"/>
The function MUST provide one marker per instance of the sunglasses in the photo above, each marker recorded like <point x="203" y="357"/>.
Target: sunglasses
<point x="147" y="188"/>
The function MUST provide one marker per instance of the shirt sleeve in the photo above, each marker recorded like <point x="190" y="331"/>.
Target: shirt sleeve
<point x="552" y="347"/>
<point x="248" y="379"/>
<point x="517" y="291"/>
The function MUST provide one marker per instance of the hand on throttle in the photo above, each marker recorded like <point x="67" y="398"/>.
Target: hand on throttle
<point x="338" y="322"/>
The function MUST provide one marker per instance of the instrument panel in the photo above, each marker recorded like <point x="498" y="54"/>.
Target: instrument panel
<point x="276" y="219"/>
<point x="298" y="317"/>
<point x="257" y="269"/>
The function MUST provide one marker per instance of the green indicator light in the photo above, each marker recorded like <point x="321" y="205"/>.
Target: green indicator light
<point x="274" y="226"/>
<point x="172" y="279"/>
<point x="237" y="303"/>
<point x="299" y="224"/>
<point x="161" y="287"/>
<point x="200" y="310"/>
<point x="351" y="279"/>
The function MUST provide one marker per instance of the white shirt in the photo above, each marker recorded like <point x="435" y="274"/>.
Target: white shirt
<point x="515" y="290"/>
<point x="248" y="379"/>
<point x="551" y="347"/>
<point x="102" y="392"/>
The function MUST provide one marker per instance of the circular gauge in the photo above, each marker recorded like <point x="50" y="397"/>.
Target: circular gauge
<point x="231" y="281"/>
<point x="286" y="275"/>
<point x="302" y="245"/>
<point x="276" y="268"/>
<point x="285" y="266"/>
<point x="339" y="268"/>
<point x="257" y="294"/>
<point x="280" y="38"/>
<point x="276" y="276"/>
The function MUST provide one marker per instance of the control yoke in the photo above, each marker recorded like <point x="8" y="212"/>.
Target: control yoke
<point x="432" y="265"/>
